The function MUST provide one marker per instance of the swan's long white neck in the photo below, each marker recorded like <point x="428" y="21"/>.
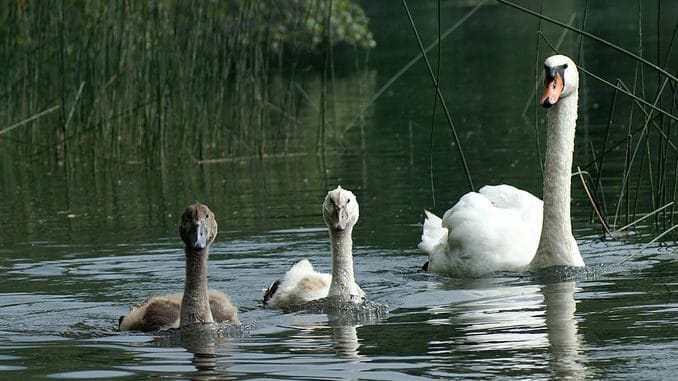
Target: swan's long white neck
<point x="555" y="244"/>
<point x="195" y="304"/>
<point x="343" y="279"/>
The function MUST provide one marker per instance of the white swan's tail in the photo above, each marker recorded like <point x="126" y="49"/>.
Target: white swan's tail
<point x="433" y="233"/>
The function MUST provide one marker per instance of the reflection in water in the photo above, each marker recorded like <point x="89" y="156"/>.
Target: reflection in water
<point x="343" y="319"/>
<point x="345" y="341"/>
<point x="337" y="332"/>
<point x="502" y="318"/>
<point x="201" y="344"/>
<point x="205" y="342"/>
<point x="509" y="318"/>
<point x="342" y="337"/>
<point x="566" y="357"/>
<point x="205" y="367"/>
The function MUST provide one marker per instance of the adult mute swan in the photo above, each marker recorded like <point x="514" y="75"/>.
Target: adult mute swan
<point x="197" y="304"/>
<point x="502" y="228"/>
<point x="302" y="283"/>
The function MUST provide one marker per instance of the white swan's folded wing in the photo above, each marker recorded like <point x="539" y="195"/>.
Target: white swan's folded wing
<point x="484" y="237"/>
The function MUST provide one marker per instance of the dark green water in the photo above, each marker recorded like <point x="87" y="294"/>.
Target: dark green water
<point x="80" y="243"/>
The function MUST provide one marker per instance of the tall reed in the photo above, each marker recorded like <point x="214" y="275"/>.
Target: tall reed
<point x="641" y="119"/>
<point x="146" y="82"/>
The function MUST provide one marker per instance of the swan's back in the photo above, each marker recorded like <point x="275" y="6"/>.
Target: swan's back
<point x="525" y="203"/>
<point x="496" y="229"/>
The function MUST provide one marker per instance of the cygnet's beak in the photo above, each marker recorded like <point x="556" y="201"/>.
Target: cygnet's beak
<point x="199" y="236"/>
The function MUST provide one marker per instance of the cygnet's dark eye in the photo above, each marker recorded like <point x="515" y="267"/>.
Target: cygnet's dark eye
<point x="208" y="216"/>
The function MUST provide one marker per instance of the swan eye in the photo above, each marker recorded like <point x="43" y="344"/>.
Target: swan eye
<point x="208" y="216"/>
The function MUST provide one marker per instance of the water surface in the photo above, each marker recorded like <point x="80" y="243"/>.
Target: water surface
<point x="79" y="245"/>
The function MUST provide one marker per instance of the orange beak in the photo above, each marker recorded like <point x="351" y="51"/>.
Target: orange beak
<point x="552" y="90"/>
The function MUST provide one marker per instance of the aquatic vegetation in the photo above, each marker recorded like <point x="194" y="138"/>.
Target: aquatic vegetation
<point x="148" y="82"/>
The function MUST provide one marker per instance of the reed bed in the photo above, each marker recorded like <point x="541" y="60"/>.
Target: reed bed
<point x="203" y="82"/>
<point x="148" y="82"/>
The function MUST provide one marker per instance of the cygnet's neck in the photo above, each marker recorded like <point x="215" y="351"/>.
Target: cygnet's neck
<point x="195" y="305"/>
<point x="343" y="280"/>
<point x="556" y="244"/>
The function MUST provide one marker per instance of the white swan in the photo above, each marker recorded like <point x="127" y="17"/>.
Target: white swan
<point x="197" y="304"/>
<point x="302" y="283"/>
<point x="500" y="228"/>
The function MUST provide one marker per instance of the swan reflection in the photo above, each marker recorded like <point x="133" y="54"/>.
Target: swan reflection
<point x="538" y="320"/>
<point x="564" y="339"/>
<point x="332" y="335"/>
<point x="345" y="341"/>
<point x="208" y="346"/>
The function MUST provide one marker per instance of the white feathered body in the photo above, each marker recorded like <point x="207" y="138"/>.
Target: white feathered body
<point x="500" y="228"/>
<point x="301" y="284"/>
<point x="496" y="229"/>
